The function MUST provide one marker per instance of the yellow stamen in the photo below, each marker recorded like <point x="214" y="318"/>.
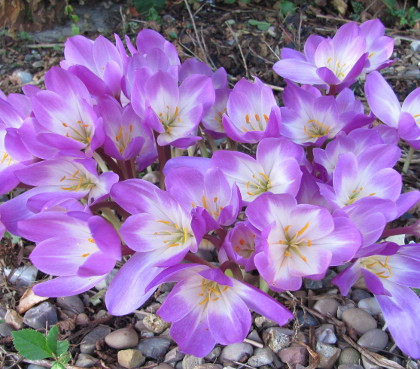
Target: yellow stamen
<point x="287" y="228"/>
<point x="85" y="255"/>
<point x="265" y="117"/>
<point x="257" y="117"/>
<point x="247" y="118"/>
<point x="303" y="229"/>
<point x="91" y="240"/>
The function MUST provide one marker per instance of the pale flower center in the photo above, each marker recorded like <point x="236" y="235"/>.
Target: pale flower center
<point x="315" y="129"/>
<point x="295" y="241"/>
<point x="258" y="184"/>
<point x="175" y="235"/>
<point x="79" y="131"/>
<point x="378" y="265"/>
<point x="77" y="181"/>
<point x="255" y="123"/>
<point x="210" y="291"/>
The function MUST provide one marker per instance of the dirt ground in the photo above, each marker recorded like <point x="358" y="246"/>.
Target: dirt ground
<point x="245" y="39"/>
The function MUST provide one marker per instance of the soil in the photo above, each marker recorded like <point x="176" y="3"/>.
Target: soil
<point x="245" y="39"/>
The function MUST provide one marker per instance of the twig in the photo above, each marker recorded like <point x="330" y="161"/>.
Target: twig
<point x="43" y="46"/>
<point x="271" y="49"/>
<point x="240" y="48"/>
<point x="196" y="32"/>
<point x="254" y="343"/>
<point x="44" y="363"/>
<point x="408" y="159"/>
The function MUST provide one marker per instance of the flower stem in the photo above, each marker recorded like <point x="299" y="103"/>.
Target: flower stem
<point x="164" y="154"/>
<point x="193" y="258"/>
<point x="408" y="159"/>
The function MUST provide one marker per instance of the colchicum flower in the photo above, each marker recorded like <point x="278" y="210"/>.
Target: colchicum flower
<point x="390" y="271"/>
<point x="207" y="307"/>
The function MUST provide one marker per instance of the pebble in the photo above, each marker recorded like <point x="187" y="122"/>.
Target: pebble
<point x="87" y="346"/>
<point x="263" y="322"/>
<point x="369" y="364"/>
<point x="293" y="355"/>
<point x="190" y="361"/>
<point x="311" y="284"/>
<point x="325" y="334"/>
<point x="154" y="347"/>
<point x="34" y="366"/>
<point x="38" y="64"/>
<point x="154" y="323"/>
<point x="374" y="340"/>
<point x="86" y="361"/>
<point x="350" y="366"/>
<point x="123" y="338"/>
<point x="277" y="338"/>
<point x="23" y="76"/>
<point x="163" y="366"/>
<point x="6" y="330"/>
<point x="208" y="366"/>
<point x="214" y="354"/>
<point x="415" y="46"/>
<point x="41" y="316"/>
<point x="255" y="336"/>
<point x="71" y="303"/>
<point x="360" y="320"/>
<point x="305" y="319"/>
<point x="23" y="276"/>
<point x="262" y="356"/>
<point x="370" y="305"/>
<point x="342" y="308"/>
<point x="359" y="294"/>
<point x="130" y="358"/>
<point x="349" y="356"/>
<point x="82" y="319"/>
<point x="236" y="352"/>
<point x="328" y="355"/>
<point x="327" y="306"/>
<point x="174" y="355"/>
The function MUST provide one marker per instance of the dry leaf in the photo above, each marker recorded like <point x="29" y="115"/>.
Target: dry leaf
<point x="28" y="300"/>
<point x="14" y="319"/>
<point x="341" y="6"/>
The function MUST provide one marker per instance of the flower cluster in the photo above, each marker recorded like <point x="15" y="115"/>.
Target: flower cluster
<point x="312" y="188"/>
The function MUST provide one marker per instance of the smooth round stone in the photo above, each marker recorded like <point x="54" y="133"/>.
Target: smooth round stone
<point x="350" y="366"/>
<point x="342" y="308"/>
<point x="87" y="346"/>
<point x="86" y="361"/>
<point x="328" y="355"/>
<point x="293" y="355"/>
<point x="123" y="338"/>
<point x="41" y="316"/>
<point x="190" y="361"/>
<point x="277" y="338"/>
<point x="154" y="323"/>
<point x="359" y="294"/>
<point x="6" y="330"/>
<point x="71" y="303"/>
<point x="236" y="352"/>
<point x="130" y="358"/>
<point x="325" y="334"/>
<point x="208" y="366"/>
<point x="262" y="356"/>
<point x="359" y="320"/>
<point x="349" y="356"/>
<point x="327" y="306"/>
<point x="154" y="347"/>
<point x="371" y="305"/>
<point x="306" y="319"/>
<point x="375" y="339"/>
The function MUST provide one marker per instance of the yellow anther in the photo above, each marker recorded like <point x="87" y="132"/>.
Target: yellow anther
<point x="75" y="173"/>
<point x="63" y="178"/>
<point x="213" y="290"/>
<point x="131" y="128"/>
<point x="247" y="119"/>
<point x="176" y="111"/>
<point x="119" y="135"/>
<point x="204" y="301"/>
<point x="329" y="59"/>
<point x="287" y="228"/>
<point x="204" y="201"/>
<point x="303" y="229"/>
<point x="372" y="194"/>
<point x="287" y="253"/>
<point x="173" y="244"/>
<point x="371" y="54"/>
<point x="215" y="199"/>
<point x="257" y="117"/>
<point x="242" y="242"/>
<point x="64" y="124"/>
<point x="265" y="117"/>
<point x="91" y="240"/>
<point x="244" y="129"/>
<point x="264" y="176"/>
<point x="309" y="243"/>
<point x="163" y="221"/>
<point x="85" y="255"/>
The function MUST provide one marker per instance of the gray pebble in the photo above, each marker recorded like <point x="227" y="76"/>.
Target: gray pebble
<point x="208" y="366"/>
<point x="262" y="356"/>
<point x="325" y="334"/>
<point x="255" y="336"/>
<point x="130" y="358"/>
<point x="41" y="316"/>
<point x="327" y="306"/>
<point x="326" y="281"/>
<point x="123" y="338"/>
<point x="342" y="308"/>
<point x="374" y="340"/>
<point x="263" y="322"/>
<point x="154" y="347"/>
<point x="71" y="303"/>
<point x="359" y="294"/>
<point x="6" y="330"/>
<point x="350" y="366"/>
<point x="277" y="338"/>
<point x="214" y="354"/>
<point x="236" y="352"/>
<point x="349" y="356"/>
<point x="360" y="320"/>
<point x="24" y="77"/>
<point x="293" y="355"/>
<point x="155" y="323"/>
<point x="23" y="276"/>
<point x="370" y="305"/>
<point x="33" y="366"/>
<point x="311" y="284"/>
<point x="87" y="346"/>
<point x="86" y="361"/>
<point x="164" y="366"/>
<point x="38" y="64"/>
<point x="369" y="364"/>
<point x="328" y="355"/>
<point x="306" y="320"/>
<point x="174" y="355"/>
<point x="190" y="361"/>
<point x="415" y="46"/>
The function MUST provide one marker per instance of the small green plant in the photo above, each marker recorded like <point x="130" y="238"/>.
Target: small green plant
<point x="150" y="8"/>
<point x="33" y="345"/>
<point x="405" y="16"/>
<point x="286" y="8"/>
<point x="261" y="25"/>
<point x="69" y="11"/>
<point x="358" y="8"/>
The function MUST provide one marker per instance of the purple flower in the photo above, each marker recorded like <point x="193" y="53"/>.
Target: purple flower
<point x="389" y="271"/>
<point x="174" y="112"/>
<point x="211" y="191"/>
<point x="207" y="307"/>
<point x="310" y="118"/>
<point x="333" y="62"/>
<point x="385" y="105"/>
<point x="78" y="248"/>
<point x="275" y="169"/>
<point x="299" y="240"/>
<point x="252" y="112"/>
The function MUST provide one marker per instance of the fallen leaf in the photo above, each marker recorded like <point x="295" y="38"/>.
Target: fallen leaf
<point x="28" y="300"/>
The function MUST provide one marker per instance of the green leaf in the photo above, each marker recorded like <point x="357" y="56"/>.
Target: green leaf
<point x="143" y="6"/>
<point x="31" y="344"/>
<point x="62" y="347"/>
<point x="262" y="26"/>
<point x="287" y="7"/>
<point x="58" y="365"/>
<point x="229" y="2"/>
<point x="52" y="339"/>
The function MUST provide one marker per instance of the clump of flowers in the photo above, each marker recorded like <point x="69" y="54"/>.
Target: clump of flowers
<point x="316" y="190"/>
